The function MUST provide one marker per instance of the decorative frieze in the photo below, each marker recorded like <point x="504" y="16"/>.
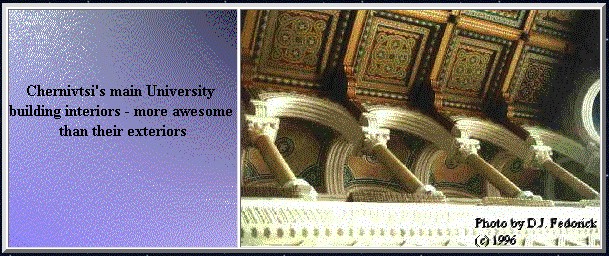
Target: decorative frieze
<point x="345" y="224"/>
<point x="426" y="194"/>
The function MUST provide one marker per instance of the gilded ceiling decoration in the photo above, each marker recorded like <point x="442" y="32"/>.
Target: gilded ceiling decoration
<point x="512" y="18"/>
<point x="555" y="22"/>
<point x="456" y="61"/>
<point x="473" y="62"/>
<point x="390" y="53"/>
<point x="532" y="79"/>
<point x="293" y="48"/>
<point x="296" y="42"/>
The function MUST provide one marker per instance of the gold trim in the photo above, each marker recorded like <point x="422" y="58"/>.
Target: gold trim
<point x="528" y="24"/>
<point x="354" y="41"/>
<point x="435" y="71"/>
<point x="548" y="42"/>
<point x="438" y="16"/>
<point x="512" y="70"/>
<point x="488" y="28"/>
<point x="248" y="33"/>
<point x="258" y="86"/>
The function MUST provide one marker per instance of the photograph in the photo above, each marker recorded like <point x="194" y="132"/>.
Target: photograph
<point x="421" y="128"/>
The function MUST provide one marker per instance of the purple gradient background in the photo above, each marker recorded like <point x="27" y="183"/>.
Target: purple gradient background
<point x="123" y="191"/>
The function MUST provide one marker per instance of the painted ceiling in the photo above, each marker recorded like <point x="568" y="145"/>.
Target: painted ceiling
<point x="474" y="62"/>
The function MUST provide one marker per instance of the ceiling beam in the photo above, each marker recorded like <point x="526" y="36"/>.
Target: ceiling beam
<point x="548" y="42"/>
<point x="516" y="57"/>
<point x="448" y="31"/>
<point x="438" y="16"/>
<point x="488" y="28"/>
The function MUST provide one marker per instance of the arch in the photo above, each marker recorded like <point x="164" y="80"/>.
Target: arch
<point x="329" y="114"/>
<point x="560" y="143"/>
<point x="325" y="112"/>
<point x="586" y="111"/>
<point x="338" y="154"/>
<point x="412" y="122"/>
<point x="422" y="167"/>
<point x="493" y="133"/>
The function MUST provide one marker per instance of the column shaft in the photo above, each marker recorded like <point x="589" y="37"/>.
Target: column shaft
<point x="495" y="177"/>
<point x="565" y="176"/>
<point x="272" y="157"/>
<point x="396" y="166"/>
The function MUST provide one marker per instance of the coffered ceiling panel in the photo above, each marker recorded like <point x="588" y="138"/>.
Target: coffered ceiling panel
<point x="392" y="53"/>
<point x="473" y="63"/>
<point x="555" y="22"/>
<point x="293" y="48"/>
<point x="532" y="80"/>
<point x="490" y="63"/>
<point x="296" y="40"/>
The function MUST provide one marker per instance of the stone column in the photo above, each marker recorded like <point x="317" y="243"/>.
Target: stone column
<point x="466" y="151"/>
<point x="542" y="157"/>
<point x="549" y="187"/>
<point x="375" y="143"/>
<point x="262" y="131"/>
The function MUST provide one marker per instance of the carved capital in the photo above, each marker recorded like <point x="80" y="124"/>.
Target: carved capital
<point x="467" y="146"/>
<point x="464" y="147"/>
<point x="539" y="152"/>
<point x="369" y="120"/>
<point x="375" y="136"/>
<point x="262" y="125"/>
<point x="460" y="132"/>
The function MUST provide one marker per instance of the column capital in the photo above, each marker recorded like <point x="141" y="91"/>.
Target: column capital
<point x="369" y="119"/>
<point x="539" y="152"/>
<point x="262" y="125"/>
<point x="375" y="136"/>
<point x="463" y="147"/>
<point x="467" y="146"/>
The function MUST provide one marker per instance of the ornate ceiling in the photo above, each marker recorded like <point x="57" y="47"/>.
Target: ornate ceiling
<point x="491" y="63"/>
